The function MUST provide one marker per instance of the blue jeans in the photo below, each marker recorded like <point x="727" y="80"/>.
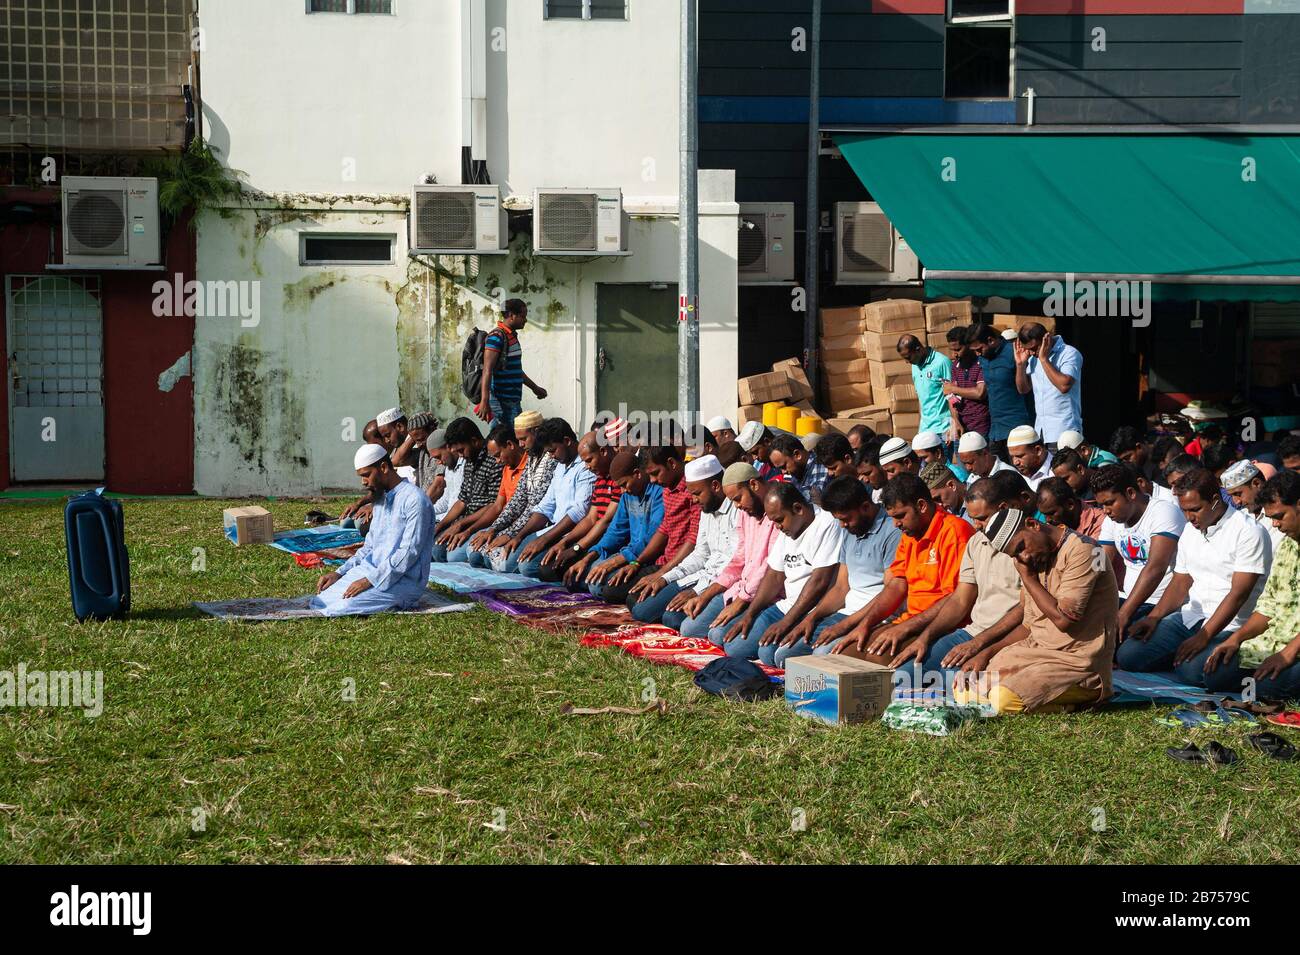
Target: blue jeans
<point x="746" y="647"/>
<point x="1138" y="614"/>
<point x="1231" y="677"/>
<point x="697" y="626"/>
<point x="942" y="647"/>
<point x="510" y="565"/>
<point x="775" y="655"/>
<point x="504" y="413"/>
<point x="1158" y="650"/>
<point x="651" y="609"/>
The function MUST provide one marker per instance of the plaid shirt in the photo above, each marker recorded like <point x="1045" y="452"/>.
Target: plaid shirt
<point x="814" y="478"/>
<point x="681" y="520"/>
<point x="482" y="478"/>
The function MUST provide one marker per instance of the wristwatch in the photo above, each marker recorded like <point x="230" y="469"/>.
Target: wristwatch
<point x="577" y="548"/>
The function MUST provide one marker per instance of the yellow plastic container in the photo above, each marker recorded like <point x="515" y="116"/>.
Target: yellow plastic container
<point x="787" y="419"/>
<point x="808" y="425"/>
<point x="770" y="411"/>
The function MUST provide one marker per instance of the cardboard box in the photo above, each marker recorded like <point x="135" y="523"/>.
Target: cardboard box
<point x="884" y="374"/>
<point x="941" y="316"/>
<point x="938" y="340"/>
<point x="841" y="348"/>
<point x="837" y="689"/>
<point x="907" y="424"/>
<point x="903" y="398"/>
<point x="842" y="321"/>
<point x="252" y="525"/>
<point x="858" y="368"/>
<point x="747" y="413"/>
<point x="880" y="346"/>
<point x="757" y="389"/>
<point x="1015" y="321"/>
<point x="849" y="396"/>
<point x="895" y="315"/>
<point x="866" y="411"/>
<point x="800" y="388"/>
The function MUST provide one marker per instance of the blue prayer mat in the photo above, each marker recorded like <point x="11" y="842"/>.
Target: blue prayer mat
<point x="305" y="540"/>
<point x="464" y="579"/>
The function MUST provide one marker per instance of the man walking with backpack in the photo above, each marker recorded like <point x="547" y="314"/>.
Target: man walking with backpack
<point x="501" y="387"/>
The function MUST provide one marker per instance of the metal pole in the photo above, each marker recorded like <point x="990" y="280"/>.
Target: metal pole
<point x="688" y="207"/>
<point x="813" y="217"/>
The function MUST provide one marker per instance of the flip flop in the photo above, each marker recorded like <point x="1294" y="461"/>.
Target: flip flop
<point x="1213" y="753"/>
<point x="1273" y="746"/>
<point x="1254" y="707"/>
<point x="1290" y="718"/>
<point x="1187" y="717"/>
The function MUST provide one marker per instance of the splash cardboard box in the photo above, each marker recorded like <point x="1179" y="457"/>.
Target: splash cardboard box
<point x="248" y="525"/>
<point x="837" y="689"/>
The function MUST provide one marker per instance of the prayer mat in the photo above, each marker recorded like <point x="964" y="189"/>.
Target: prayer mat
<point x="307" y="540"/>
<point x="297" y="608"/>
<point x="941" y="720"/>
<point x="534" y="601"/>
<point x="464" y="579"/>
<point x="583" y="618"/>
<point x="330" y="557"/>
<point x="657" y="644"/>
<point x="1160" y="687"/>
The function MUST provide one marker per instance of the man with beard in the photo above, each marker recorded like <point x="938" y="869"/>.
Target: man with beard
<point x="391" y="570"/>
<point x="870" y="543"/>
<point x="715" y="543"/>
<point x="801" y="468"/>
<point x="977" y="457"/>
<point x="1061" y="656"/>
<point x="924" y="572"/>
<point x="948" y="491"/>
<point x="666" y="466"/>
<point x="357" y="514"/>
<point x="734" y="587"/>
<point x="1007" y="407"/>
<point x="967" y="390"/>
<point x="1029" y="455"/>
<point x="557" y="555"/>
<point x="628" y="549"/>
<point x="1059" y="504"/>
<point x="480" y="481"/>
<point x="539" y="469"/>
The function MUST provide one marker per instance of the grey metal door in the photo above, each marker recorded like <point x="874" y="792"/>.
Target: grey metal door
<point x="56" y="375"/>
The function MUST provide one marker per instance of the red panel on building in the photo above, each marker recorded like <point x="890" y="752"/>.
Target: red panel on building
<point x="148" y="432"/>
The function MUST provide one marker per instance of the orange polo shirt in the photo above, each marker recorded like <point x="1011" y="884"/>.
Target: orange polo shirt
<point x="510" y="479"/>
<point x="931" y="564"/>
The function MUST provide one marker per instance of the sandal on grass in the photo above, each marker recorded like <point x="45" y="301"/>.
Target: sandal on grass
<point x="1254" y="707"/>
<point x="1213" y="753"/>
<point x="1289" y="718"/>
<point x="1272" y="746"/>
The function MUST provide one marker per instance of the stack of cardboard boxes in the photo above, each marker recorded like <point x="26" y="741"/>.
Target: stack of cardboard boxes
<point x="786" y="382"/>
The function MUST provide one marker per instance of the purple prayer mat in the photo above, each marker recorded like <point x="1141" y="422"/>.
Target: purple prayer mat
<point x="533" y="601"/>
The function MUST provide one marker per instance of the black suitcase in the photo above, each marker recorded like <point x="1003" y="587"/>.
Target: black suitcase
<point x="98" y="568"/>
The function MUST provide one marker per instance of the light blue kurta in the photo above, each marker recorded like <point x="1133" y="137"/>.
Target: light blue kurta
<point x="394" y="558"/>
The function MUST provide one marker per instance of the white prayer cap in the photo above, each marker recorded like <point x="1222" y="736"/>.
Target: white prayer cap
<point x="368" y="454"/>
<point x="926" y="440"/>
<point x="1022" y="435"/>
<point x="750" y="435"/>
<point x="895" y="449"/>
<point x="970" y="442"/>
<point x="719" y="424"/>
<point x="701" y="469"/>
<point x="1240" y="473"/>
<point x="389" y="416"/>
<point x="1010" y="334"/>
<point x="1069" y="439"/>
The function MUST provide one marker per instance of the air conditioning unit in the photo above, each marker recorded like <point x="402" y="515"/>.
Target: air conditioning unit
<point x="765" y="243"/>
<point x="446" y="220"/>
<point x="110" y="221"/>
<point x="579" y="222"/>
<point x="869" y="250"/>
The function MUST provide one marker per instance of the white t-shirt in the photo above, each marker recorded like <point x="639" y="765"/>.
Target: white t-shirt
<point x="1161" y="493"/>
<point x="1274" y="535"/>
<point x="1236" y="545"/>
<point x="797" y="557"/>
<point x="454" y="478"/>
<point x="1134" y="543"/>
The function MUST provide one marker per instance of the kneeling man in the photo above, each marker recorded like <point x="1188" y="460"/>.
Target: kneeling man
<point x="391" y="570"/>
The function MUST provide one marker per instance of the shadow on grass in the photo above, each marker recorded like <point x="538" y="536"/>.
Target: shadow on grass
<point x="168" y="613"/>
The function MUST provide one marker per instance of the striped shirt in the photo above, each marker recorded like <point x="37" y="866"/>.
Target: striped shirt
<point x="605" y="494"/>
<point x="508" y="373"/>
<point x="481" y="480"/>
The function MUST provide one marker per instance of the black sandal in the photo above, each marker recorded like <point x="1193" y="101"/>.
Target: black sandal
<point x="1213" y="753"/>
<point x="1273" y="746"/>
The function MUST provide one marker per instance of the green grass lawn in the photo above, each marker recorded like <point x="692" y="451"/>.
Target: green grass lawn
<point x="456" y="726"/>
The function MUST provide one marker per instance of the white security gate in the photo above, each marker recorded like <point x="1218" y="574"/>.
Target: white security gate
<point x="56" y="375"/>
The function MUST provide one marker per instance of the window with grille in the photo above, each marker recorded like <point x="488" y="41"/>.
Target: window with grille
<point x="585" y="9"/>
<point x="384" y="7"/>
<point x="78" y="75"/>
<point x="333" y="249"/>
<point x="979" y="49"/>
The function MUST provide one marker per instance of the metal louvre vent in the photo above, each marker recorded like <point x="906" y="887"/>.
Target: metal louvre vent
<point x="444" y="220"/>
<point x="751" y="244"/>
<point x="97" y="222"/>
<point x="568" y="222"/>
<point x="868" y="243"/>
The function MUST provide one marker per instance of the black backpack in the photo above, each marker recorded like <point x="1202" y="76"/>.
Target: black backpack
<point x="471" y="365"/>
<point x="735" y="679"/>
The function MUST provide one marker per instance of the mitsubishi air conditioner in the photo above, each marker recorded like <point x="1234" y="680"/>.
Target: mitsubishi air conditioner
<point x="579" y="222"/>
<point x="447" y="220"/>
<point x="869" y="250"/>
<point x="765" y="243"/>
<point x="110" y="221"/>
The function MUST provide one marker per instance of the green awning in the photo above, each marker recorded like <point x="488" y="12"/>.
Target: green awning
<point x="1169" y="207"/>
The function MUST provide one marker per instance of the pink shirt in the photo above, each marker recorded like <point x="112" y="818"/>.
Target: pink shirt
<point x="745" y="571"/>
